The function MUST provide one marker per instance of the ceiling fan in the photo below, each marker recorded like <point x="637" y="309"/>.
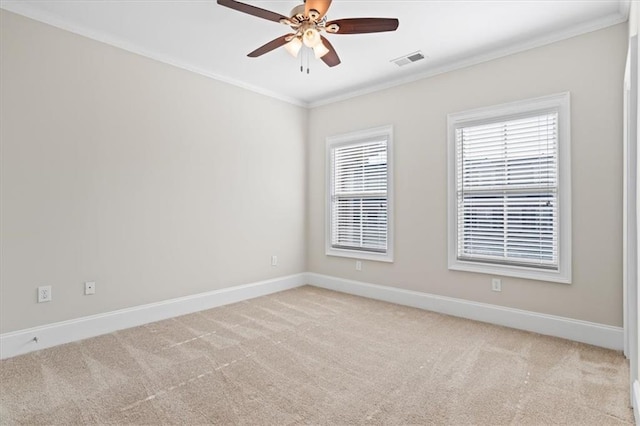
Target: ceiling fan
<point x="308" y="21"/>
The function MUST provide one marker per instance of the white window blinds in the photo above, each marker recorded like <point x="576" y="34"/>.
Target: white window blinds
<point x="359" y="183"/>
<point x="507" y="191"/>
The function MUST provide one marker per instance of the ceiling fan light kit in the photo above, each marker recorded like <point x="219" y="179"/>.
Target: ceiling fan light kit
<point x="294" y="46"/>
<point x="319" y="50"/>
<point x="311" y="37"/>
<point x="309" y="20"/>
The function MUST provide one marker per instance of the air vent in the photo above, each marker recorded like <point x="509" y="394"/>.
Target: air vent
<point x="408" y="59"/>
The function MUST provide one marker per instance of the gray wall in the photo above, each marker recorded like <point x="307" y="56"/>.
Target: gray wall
<point x="591" y="67"/>
<point x="158" y="183"/>
<point x="153" y="181"/>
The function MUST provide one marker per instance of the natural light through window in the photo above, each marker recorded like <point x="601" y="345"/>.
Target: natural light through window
<point x="506" y="197"/>
<point x="359" y="204"/>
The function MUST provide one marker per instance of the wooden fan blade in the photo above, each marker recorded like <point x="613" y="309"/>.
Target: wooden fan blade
<point x="365" y="25"/>
<point x="330" y="58"/>
<point x="320" y="5"/>
<point x="273" y="44"/>
<point x="252" y="10"/>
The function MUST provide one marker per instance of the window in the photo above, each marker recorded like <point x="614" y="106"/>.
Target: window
<point x="509" y="190"/>
<point x="360" y="196"/>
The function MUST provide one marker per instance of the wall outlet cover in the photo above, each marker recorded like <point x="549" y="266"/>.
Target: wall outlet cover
<point x="496" y="284"/>
<point x="44" y="294"/>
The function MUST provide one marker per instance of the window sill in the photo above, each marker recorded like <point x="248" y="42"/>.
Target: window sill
<point x="511" y="271"/>
<point x="363" y="255"/>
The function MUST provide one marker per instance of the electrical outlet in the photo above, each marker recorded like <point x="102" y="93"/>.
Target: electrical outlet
<point x="44" y="294"/>
<point x="358" y="265"/>
<point x="89" y="287"/>
<point x="496" y="284"/>
<point x="274" y="260"/>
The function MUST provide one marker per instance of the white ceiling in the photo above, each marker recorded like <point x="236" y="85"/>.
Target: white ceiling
<point x="202" y="36"/>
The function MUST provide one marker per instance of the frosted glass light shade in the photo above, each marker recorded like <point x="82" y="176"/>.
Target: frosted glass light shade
<point x="320" y="50"/>
<point x="294" y="46"/>
<point x="311" y="37"/>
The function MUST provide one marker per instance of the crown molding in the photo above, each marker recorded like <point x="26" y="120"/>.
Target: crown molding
<point x="485" y="56"/>
<point x="624" y="8"/>
<point x="453" y="64"/>
<point x="28" y="11"/>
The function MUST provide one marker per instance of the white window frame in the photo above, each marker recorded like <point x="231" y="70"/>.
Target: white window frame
<point x="558" y="102"/>
<point x="355" y="138"/>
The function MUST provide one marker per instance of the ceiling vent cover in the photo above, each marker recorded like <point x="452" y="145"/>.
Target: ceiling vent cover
<point x="408" y="59"/>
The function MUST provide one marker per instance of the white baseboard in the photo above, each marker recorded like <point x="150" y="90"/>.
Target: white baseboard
<point x="22" y="341"/>
<point x="635" y="399"/>
<point x="582" y="331"/>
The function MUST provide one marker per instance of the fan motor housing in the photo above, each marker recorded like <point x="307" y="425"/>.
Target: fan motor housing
<point x="297" y="11"/>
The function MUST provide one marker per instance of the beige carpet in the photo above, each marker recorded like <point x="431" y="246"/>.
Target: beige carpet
<point x="317" y="357"/>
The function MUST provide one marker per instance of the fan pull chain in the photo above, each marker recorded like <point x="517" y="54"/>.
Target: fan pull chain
<point x="304" y="54"/>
